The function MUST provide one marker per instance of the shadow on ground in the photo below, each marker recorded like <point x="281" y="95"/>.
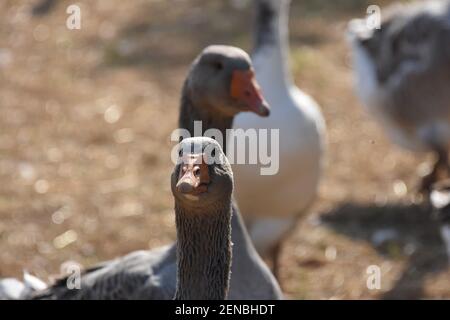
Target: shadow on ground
<point x="397" y="231"/>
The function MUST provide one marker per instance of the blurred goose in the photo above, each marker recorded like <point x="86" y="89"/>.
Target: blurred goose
<point x="220" y="84"/>
<point x="440" y="201"/>
<point x="271" y="204"/>
<point x="403" y="76"/>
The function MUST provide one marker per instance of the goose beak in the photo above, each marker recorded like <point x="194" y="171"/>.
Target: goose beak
<point x="194" y="176"/>
<point x="247" y="92"/>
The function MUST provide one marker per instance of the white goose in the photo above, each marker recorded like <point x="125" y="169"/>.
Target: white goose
<point x="403" y="77"/>
<point x="271" y="204"/>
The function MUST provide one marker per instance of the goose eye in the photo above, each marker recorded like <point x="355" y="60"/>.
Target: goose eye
<point x="180" y="153"/>
<point x="213" y="153"/>
<point x="218" y="65"/>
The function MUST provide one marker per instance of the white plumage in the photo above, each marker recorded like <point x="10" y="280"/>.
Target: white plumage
<point x="13" y="289"/>
<point x="271" y="204"/>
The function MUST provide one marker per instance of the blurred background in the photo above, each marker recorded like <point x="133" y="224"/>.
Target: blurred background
<point x="85" y="119"/>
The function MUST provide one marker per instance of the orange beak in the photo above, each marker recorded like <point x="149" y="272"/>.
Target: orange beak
<point x="194" y="175"/>
<point x="245" y="89"/>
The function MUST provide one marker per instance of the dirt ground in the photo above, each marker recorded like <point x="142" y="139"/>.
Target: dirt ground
<point x="85" y="118"/>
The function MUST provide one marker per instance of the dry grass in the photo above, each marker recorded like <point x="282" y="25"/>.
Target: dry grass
<point x="85" y="118"/>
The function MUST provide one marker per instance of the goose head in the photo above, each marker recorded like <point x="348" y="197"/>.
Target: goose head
<point x="222" y="82"/>
<point x="407" y="34"/>
<point x="369" y="45"/>
<point x="203" y="175"/>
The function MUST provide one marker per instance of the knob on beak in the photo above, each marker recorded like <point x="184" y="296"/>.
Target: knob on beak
<point x="194" y="175"/>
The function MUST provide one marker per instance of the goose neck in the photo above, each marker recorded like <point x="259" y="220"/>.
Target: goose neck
<point x="203" y="252"/>
<point x="271" y="48"/>
<point x="191" y="113"/>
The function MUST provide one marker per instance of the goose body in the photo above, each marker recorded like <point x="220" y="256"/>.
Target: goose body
<point x="271" y="204"/>
<point x="403" y="74"/>
<point x="202" y="252"/>
<point x="140" y="275"/>
<point x="153" y="274"/>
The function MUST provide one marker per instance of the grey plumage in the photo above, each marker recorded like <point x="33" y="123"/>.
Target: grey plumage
<point x="152" y="274"/>
<point x="410" y="54"/>
<point x="204" y="254"/>
<point x="265" y="30"/>
<point x="203" y="228"/>
<point x="403" y="74"/>
<point x="251" y="279"/>
<point x="140" y="275"/>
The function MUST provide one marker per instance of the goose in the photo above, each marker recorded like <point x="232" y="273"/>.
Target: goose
<point x="402" y="72"/>
<point x="202" y="192"/>
<point x="440" y="202"/>
<point x="207" y="96"/>
<point x="202" y="188"/>
<point x="271" y="204"/>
